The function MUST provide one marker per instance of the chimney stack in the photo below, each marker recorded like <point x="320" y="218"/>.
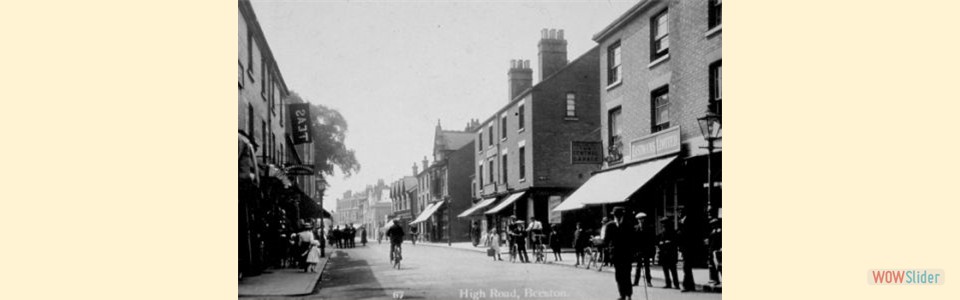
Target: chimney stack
<point x="552" y="52"/>
<point x="520" y="77"/>
<point x="415" y="172"/>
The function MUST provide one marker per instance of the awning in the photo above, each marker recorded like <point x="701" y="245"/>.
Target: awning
<point x="614" y="186"/>
<point x="510" y="199"/>
<point x="310" y="209"/>
<point x="432" y="208"/>
<point x="477" y="208"/>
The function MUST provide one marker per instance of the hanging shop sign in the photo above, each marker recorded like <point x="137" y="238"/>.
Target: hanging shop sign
<point x="300" y="169"/>
<point x="302" y="123"/>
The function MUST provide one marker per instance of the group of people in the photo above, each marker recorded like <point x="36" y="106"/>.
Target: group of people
<point x="346" y="237"/>
<point x="631" y="241"/>
<point x="518" y="235"/>
<point x="622" y="241"/>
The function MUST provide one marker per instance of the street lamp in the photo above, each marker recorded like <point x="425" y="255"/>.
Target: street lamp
<point x="711" y="130"/>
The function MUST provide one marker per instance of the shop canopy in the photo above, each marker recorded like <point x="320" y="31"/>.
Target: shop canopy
<point x="432" y="208"/>
<point x="614" y="186"/>
<point x="510" y="199"/>
<point x="473" y="210"/>
<point x="309" y="208"/>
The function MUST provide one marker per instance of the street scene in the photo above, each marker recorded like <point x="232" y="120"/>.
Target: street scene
<point x="382" y="156"/>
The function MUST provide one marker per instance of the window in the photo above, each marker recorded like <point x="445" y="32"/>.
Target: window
<point x="613" y="117"/>
<point x="263" y="139"/>
<point x="490" y="135"/>
<point x="522" y="159"/>
<point x="250" y="66"/>
<point x="250" y="120"/>
<point x="659" y="35"/>
<point x="239" y="74"/>
<point x="263" y="80"/>
<point x="480" y="144"/>
<point x="613" y="63"/>
<point x="481" y="175"/>
<point x="571" y="104"/>
<point x="282" y="104"/>
<point x="503" y="127"/>
<point x="716" y="87"/>
<point x="520" y="117"/>
<point x="504" y="168"/>
<point x="490" y="166"/>
<point x="660" y="109"/>
<point x="714" y="13"/>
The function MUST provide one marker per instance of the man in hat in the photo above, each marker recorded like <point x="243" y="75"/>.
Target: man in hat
<point x="668" y="253"/>
<point x="620" y="237"/>
<point x="645" y="249"/>
<point x="715" y="251"/>
<point x="519" y="234"/>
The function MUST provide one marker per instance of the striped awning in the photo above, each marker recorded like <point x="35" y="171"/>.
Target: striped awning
<point x="507" y="202"/>
<point x="473" y="210"/>
<point x="432" y="208"/>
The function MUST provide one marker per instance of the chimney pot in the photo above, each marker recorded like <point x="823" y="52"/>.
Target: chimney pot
<point x="553" y="33"/>
<point x="543" y="33"/>
<point x="560" y="34"/>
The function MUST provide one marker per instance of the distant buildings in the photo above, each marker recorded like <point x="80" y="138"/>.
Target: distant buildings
<point x="444" y="186"/>
<point x="368" y="208"/>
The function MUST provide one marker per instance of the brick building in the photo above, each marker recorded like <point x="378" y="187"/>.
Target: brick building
<point x="447" y="186"/>
<point x="543" y="142"/>
<point x="403" y="196"/>
<point x="661" y="63"/>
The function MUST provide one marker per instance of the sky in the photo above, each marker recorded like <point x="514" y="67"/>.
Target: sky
<point x="394" y="69"/>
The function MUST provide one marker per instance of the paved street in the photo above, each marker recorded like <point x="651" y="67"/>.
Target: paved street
<point x="438" y="273"/>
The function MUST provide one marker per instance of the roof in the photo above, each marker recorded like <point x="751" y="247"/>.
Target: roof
<point x="530" y="90"/>
<point x="625" y="18"/>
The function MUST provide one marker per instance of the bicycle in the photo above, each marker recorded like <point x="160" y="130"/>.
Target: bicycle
<point x="396" y="255"/>
<point x="538" y="248"/>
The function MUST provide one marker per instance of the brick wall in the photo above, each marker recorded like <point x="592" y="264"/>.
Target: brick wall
<point x="686" y="71"/>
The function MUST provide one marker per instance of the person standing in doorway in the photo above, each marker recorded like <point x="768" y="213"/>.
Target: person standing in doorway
<point x="668" y="253"/>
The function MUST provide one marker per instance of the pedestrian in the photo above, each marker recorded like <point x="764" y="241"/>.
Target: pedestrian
<point x="363" y="235"/>
<point x="413" y="235"/>
<point x="312" y="256"/>
<point x="305" y="239"/>
<point x="619" y="236"/>
<point x="716" y="250"/>
<point x="519" y="234"/>
<point x="379" y="236"/>
<point x="336" y="236"/>
<point x="581" y="239"/>
<point x="555" y="242"/>
<point x="645" y="249"/>
<point x="668" y="254"/>
<point x="493" y="240"/>
<point x="693" y="248"/>
<point x="351" y="235"/>
<point x="602" y="248"/>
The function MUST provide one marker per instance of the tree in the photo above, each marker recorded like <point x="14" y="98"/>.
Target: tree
<point x="329" y="135"/>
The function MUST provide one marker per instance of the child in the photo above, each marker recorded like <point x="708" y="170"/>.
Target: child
<point x="494" y="241"/>
<point x="555" y="242"/>
<point x="313" y="257"/>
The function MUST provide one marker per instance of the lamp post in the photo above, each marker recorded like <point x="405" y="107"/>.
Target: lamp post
<point x="711" y="130"/>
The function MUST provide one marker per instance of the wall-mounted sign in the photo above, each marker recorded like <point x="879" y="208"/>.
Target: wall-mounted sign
<point x="657" y="144"/>
<point x="553" y="202"/>
<point x="299" y="170"/>
<point x="586" y="152"/>
<point x="302" y="129"/>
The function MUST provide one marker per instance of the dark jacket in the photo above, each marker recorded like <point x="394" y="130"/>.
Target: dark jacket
<point x="646" y="242"/>
<point x="668" y="247"/>
<point x="622" y="240"/>
<point x="581" y="239"/>
<point x="396" y="234"/>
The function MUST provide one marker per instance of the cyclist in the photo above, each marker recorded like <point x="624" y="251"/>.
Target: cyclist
<point x="395" y="234"/>
<point x="536" y="238"/>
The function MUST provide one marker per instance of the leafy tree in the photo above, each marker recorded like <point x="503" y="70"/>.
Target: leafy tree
<point x="329" y="135"/>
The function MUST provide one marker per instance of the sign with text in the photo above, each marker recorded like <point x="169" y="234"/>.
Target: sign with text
<point x="302" y="169"/>
<point x="553" y="202"/>
<point x="657" y="144"/>
<point x="586" y="152"/>
<point x="302" y="123"/>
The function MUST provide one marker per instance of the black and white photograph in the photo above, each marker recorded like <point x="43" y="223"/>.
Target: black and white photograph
<point x="480" y="149"/>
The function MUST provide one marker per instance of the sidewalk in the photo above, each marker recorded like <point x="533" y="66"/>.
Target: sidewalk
<point x="700" y="276"/>
<point x="281" y="282"/>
